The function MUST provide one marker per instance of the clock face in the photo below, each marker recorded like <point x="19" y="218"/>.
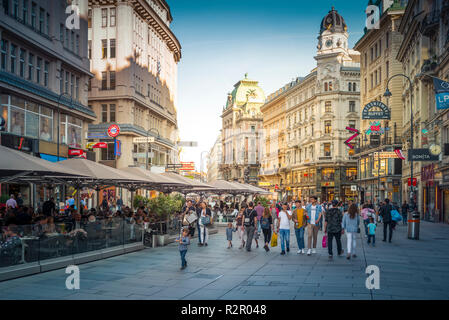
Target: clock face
<point x="329" y="43"/>
<point x="435" y="150"/>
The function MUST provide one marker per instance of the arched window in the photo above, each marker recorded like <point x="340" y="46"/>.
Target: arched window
<point x="354" y="87"/>
<point x="330" y="85"/>
<point x="349" y="86"/>
<point x="326" y="87"/>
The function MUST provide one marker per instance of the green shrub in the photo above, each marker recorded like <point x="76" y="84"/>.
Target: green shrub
<point x="264" y="201"/>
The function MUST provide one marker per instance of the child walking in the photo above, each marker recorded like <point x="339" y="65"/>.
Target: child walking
<point x="229" y="231"/>
<point x="372" y="232"/>
<point x="184" y="241"/>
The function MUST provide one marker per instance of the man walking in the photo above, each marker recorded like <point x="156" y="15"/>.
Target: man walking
<point x="300" y="219"/>
<point x="284" y="228"/>
<point x="404" y="212"/>
<point x="314" y="214"/>
<point x="332" y="226"/>
<point x="385" y="213"/>
<point x="250" y="223"/>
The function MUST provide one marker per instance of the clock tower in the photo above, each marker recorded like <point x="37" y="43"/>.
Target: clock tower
<point x="333" y="34"/>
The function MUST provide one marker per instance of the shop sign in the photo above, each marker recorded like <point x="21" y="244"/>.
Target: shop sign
<point x="264" y="184"/>
<point x="421" y="155"/>
<point x="100" y="145"/>
<point x="385" y="155"/>
<point x="353" y="188"/>
<point x="376" y="110"/>
<point x="75" y="152"/>
<point x="113" y="131"/>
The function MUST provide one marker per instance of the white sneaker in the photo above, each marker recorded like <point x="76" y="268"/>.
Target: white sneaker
<point x="309" y="252"/>
<point x="303" y="251"/>
<point x="313" y="251"/>
<point x="299" y="252"/>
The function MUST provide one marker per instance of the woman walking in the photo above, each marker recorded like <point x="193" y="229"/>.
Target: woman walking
<point x="240" y="228"/>
<point x="350" y="224"/>
<point x="266" y="224"/>
<point x="204" y="220"/>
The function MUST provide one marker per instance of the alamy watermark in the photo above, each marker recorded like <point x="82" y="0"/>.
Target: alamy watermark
<point x="73" y="20"/>
<point x="373" y="280"/>
<point x="73" y="280"/>
<point x="372" y="17"/>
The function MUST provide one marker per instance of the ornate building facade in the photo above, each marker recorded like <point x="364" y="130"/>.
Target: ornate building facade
<point x="380" y="178"/>
<point x="242" y="132"/>
<point x="319" y="107"/>
<point x="134" y="56"/>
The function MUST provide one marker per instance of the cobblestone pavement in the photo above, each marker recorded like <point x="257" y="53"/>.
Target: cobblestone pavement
<point x="408" y="270"/>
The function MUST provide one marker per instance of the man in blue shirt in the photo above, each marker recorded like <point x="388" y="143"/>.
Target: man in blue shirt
<point x="314" y="215"/>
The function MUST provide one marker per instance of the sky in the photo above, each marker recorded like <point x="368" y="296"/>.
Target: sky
<point x="273" y="41"/>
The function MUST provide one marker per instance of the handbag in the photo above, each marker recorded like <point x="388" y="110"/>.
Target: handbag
<point x="274" y="240"/>
<point x="205" y="220"/>
<point x="324" y="242"/>
<point x="191" y="218"/>
<point x="185" y="222"/>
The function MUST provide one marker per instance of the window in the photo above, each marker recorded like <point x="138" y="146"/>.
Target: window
<point x="89" y="84"/>
<point x="327" y="127"/>
<point x="366" y="85"/>
<point x="104" y="81"/>
<point x="352" y="124"/>
<point x="387" y="40"/>
<point x="61" y="33"/>
<point x="22" y="63"/>
<point x="112" y="17"/>
<point x="33" y="15"/>
<point x="38" y="70"/>
<point x="13" y="58"/>
<point x="77" y="45"/>
<point x="327" y="150"/>
<point x="354" y="87"/>
<point x="72" y="84"/>
<point x="351" y="106"/>
<point x="372" y="81"/>
<point x="61" y="81"/>
<point x="4" y="53"/>
<point x="326" y="87"/>
<point x="104" y="113"/>
<point x="6" y="6"/>
<point x="112" y="80"/>
<point x="328" y="106"/>
<point x="66" y="37"/>
<point x="380" y="47"/>
<point x="41" y="20"/>
<point x="47" y="25"/>
<point x="104" y="17"/>
<point x="72" y="41"/>
<point x="387" y="66"/>
<point x="15" y="8"/>
<point x="108" y="153"/>
<point x="112" y="113"/>
<point x="89" y="18"/>
<point x="66" y="82"/>
<point x="25" y="11"/>
<point x="46" y="67"/>
<point x="330" y="85"/>
<point x="349" y="86"/>
<point x="375" y="77"/>
<point x="380" y="74"/>
<point x="77" y="88"/>
<point x="112" y="48"/>
<point x="104" y="49"/>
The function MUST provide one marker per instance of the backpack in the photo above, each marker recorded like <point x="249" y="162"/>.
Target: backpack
<point x="265" y="223"/>
<point x="247" y="221"/>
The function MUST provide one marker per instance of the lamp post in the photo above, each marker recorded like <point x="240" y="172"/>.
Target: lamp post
<point x="388" y="94"/>
<point x="148" y="145"/>
<point x="59" y="118"/>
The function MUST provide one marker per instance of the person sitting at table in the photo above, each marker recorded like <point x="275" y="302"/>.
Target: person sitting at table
<point x="50" y="226"/>
<point x="10" y="244"/>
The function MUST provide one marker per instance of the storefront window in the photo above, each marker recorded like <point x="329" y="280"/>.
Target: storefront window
<point x="17" y="121"/>
<point x="328" y="174"/>
<point x="32" y="125"/>
<point x="351" y="174"/>
<point x="46" y="128"/>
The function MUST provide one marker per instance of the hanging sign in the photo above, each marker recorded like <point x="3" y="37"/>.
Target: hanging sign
<point x="441" y="93"/>
<point x="376" y="110"/>
<point x="356" y="134"/>
<point x="113" y="131"/>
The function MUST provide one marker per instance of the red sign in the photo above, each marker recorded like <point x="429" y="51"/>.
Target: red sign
<point x="100" y="145"/>
<point x="75" y="152"/>
<point x="415" y="182"/>
<point x="84" y="155"/>
<point x="113" y="131"/>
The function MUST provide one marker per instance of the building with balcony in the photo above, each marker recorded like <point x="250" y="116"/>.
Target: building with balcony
<point x="242" y="133"/>
<point x="43" y="61"/>
<point x="318" y="109"/>
<point x="133" y="56"/>
<point x="424" y="54"/>
<point x="380" y="178"/>
<point x="272" y="173"/>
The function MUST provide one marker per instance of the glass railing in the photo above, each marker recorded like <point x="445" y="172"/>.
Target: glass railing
<point x="41" y="242"/>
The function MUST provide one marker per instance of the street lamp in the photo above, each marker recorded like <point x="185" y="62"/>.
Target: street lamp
<point x="59" y="118"/>
<point x="387" y="95"/>
<point x="148" y="145"/>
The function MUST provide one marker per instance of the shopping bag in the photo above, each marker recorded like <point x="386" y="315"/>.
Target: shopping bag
<point x="396" y="216"/>
<point x="274" y="240"/>
<point x="324" y="243"/>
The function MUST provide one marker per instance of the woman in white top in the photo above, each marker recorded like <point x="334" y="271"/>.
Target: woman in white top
<point x="202" y="230"/>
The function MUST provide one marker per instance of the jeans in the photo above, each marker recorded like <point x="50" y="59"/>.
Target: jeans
<point x="330" y="237"/>
<point x="373" y="237"/>
<point x="249" y="236"/>
<point x="267" y="235"/>
<point x="366" y="223"/>
<point x="300" y="237"/>
<point x="284" y="235"/>
<point x="404" y="219"/>
<point x="203" y="234"/>
<point x="351" y="242"/>
<point x="390" y="227"/>
<point x="183" y="258"/>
